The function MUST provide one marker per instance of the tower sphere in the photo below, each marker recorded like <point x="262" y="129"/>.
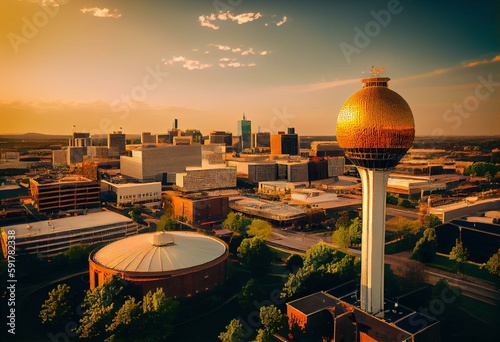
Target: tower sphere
<point x="375" y="126"/>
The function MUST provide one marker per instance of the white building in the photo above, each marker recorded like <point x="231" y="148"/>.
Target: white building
<point x="132" y="193"/>
<point x="48" y="238"/>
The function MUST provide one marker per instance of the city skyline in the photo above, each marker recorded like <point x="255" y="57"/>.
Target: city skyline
<point x="103" y="65"/>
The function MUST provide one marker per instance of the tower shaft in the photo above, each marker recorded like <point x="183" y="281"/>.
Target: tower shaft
<point x="374" y="183"/>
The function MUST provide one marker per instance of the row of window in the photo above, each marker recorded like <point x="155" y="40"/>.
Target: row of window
<point x="150" y="194"/>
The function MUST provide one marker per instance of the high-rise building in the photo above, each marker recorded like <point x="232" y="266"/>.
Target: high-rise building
<point x="117" y="140"/>
<point x="285" y="143"/>
<point x="245" y="131"/>
<point x="375" y="128"/>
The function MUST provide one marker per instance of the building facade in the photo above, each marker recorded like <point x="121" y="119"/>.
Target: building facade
<point x="131" y="193"/>
<point x="49" y="238"/>
<point x="200" y="210"/>
<point x="199" y="179"/>
<point x="181" y="263"/>
<point x="64" y="194"/>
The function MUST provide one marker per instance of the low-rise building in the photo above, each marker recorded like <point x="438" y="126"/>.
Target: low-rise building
<point x="198" y="179"/>
<point x="131" y="193"/>
<point x="72" y="192"/>
<point x="200" y="210"/>
<point x="48" y="238"/>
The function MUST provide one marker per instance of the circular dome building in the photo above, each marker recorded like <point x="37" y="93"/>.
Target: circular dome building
<point x="182" y="263"/>
<point x="375" y="125"/>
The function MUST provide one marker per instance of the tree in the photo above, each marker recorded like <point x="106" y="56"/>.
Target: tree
<point x="57" y="308"/>
<point x="459" y="254"/>
<point x="124" y="325"/>
<point x="343" y="220"/>
<point x="159" y="311"/>
<point x="390" y="199"/>
<point x="255" y="255"/>
<point x="167" y="224"/>
<point x="77" y="255"/>
<point x="341" y="237"/>
<point x="349" y="234"/>
<point x="294" y="262"/>
<point x="355" y="231"/>
<point x="135" y="214"/>
<point x="405" y="203"/>
<point x="433" y="221"/>
<point x="425" y="248"/>
<point x="493" y="264"/>
<point x="250" y="292"/>
<point x="101" y="304"/>
<point x="235" y="332"/>
<point x="260" y="228"/>
<point x="272" y="319"/>
<point x="236" y="223"/>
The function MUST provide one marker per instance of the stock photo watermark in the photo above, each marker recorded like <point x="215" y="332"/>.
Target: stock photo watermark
<point x="31" y="26"/>
<point x="460" y="111"/>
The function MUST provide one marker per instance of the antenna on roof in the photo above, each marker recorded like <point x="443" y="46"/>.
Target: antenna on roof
<point x="376" y="72"/>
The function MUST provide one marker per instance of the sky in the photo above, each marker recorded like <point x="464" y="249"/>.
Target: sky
<point x="106" y="65"/>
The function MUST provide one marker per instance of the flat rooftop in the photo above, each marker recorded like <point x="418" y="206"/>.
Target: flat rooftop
<point x="41" y="228"/>
<point x="272" y="210"/>
<point x="130" y="185"/>
<point x="459" y="205"/>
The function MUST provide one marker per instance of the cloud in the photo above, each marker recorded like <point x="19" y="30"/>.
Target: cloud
<point x="243" y="18"/>
<point x="101" y="12"/>
<point x="189" y="64"/>
<point x="282" y="21"/>
<point x="238" y="50"/>
<point x="233" y="63"/>
<point x="206" y="21"/>
<point x="464" y="65"/>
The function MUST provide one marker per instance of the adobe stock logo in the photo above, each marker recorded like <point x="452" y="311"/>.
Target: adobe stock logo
<point x="372" y="29"/>
<point x="32" y="26"/>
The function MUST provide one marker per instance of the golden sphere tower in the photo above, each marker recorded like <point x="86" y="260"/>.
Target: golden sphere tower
<point x="375" y="128"/>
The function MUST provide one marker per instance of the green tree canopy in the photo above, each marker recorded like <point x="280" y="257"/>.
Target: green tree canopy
<point x="167" y="223"/>
<point x="480" y="169"/>
<point x="425" y="248"/>
<point x="433" y="221"/>
<point x="57" y="307"/>
<point x="459" y="254"/>
<point x="272" y="320"/>
<point x="236" y="223"/>
<point x="101" y="304"/>
<point x="235" y="332"/>
<point x="255" y="255"/>
<point x="493" y="264"/>
<point x="348" y="235"/>
<point x="260" y="228"/>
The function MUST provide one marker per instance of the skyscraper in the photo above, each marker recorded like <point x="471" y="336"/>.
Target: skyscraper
<point x="375" y="128"/>
<point x="245" y="131"/>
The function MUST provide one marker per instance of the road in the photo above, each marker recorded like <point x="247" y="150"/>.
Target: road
<point x="471" y="287"/>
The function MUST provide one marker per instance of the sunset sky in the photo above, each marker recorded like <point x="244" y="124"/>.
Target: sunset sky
<point x="106" y="64"/>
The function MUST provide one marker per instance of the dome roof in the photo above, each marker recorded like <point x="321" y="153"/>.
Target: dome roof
<point x="375" y="123"/>
<point x="159" y="252"/>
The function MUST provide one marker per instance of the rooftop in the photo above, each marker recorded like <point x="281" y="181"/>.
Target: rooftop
<point x="160" y="252"/>
<point x="66" y="224"/>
